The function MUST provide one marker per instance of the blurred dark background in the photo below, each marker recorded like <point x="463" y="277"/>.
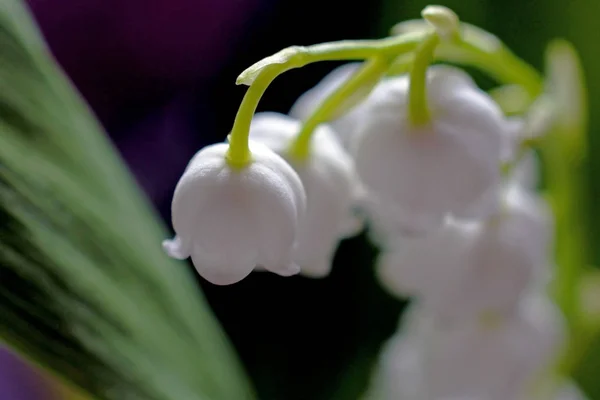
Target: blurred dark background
<point x="160" y="76"/>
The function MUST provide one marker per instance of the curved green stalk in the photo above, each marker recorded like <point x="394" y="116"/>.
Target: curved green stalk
<point x="418" y="109"/>
<point x="495" y="60"/>
<point x="260" y="75"/>
<point x="371" y="71"/>
<point x="238" y="155"/>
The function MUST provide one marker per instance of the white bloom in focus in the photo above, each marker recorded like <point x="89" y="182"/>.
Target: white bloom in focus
<point x="231" y="220"/>
<point x="467" y="269"/>
<point x="420" y="174"/>
<point x="307" y="103"/>
<point x="330" y="182"/>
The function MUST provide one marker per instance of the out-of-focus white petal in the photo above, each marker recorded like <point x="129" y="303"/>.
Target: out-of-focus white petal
<point x="494" y="361"/>
<point x="472" y="360"/>
<point x="424" y="266"/>
<point x="509" y="254"/>
<point x="466" y="269"/>
<point x="570" y="391"/>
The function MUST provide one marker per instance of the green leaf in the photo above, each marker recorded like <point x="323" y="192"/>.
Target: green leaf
<point x="86" y="289"/>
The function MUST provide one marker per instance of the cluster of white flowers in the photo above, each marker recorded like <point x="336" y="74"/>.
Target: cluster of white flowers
<point x="470" y="243"/>
<point x="473" y="249"/>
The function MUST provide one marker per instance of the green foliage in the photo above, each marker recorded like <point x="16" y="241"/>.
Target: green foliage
<point x="86" y="289"/>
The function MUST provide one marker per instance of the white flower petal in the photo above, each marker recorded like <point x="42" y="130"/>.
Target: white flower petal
<point x="467" y="269"/>
<point x="472" y="360"/>
<point x="424" y="173"/>
<point x="231" y="220"/>
<point x="493" y="361"/>
<point x="175" y="248"/>
<point x="330" y="182"/>
<point x="424" y="266"/>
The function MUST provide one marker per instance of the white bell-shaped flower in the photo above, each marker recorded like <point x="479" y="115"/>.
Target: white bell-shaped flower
<point x="472" y="360"/>
<point x="466" y="269"/>
<point x="420" y="174"/>
<point x="231" y="220"/>
<point x="424" y="266"/>
<point x="495" y="361"/>
<point x="345" y="125"/>
<point x="331" y="185"/>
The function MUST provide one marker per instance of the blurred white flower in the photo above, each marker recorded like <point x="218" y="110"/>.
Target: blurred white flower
<point x="343" y="126"/>
<point x="331" y="185"/>
<point x="423" y="266"/>
<point x="420" y="174"/>
<point x="496" y="361"/>
<point x="230" y="220"/>
<point x="570" y="391"/>
<point x="399" y="374"/>
<point x="474" y="360"/>
<point x="466" y="269"/>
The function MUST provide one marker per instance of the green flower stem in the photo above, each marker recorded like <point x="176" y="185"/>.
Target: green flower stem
<point x="418" y="109"/>
<point x="260" y="75"/>
<point x="238" y="155"/>
<point x="371" y="71"/>
<point x="500" y="64"/>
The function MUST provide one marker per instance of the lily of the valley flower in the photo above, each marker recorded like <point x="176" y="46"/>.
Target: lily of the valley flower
<point x="423" y="266"/>
<point x="230" y="220"/>
<point x="421" y="173"/>
<point x="495" y="361"/>
<point x="472" y="360"/>
<point x="345" y="125"/>
<point x="468" y="269"/>
<point x="329" y="179"/>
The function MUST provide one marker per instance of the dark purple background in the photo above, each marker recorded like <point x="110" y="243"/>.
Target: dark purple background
<point x="133" y="61"/>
